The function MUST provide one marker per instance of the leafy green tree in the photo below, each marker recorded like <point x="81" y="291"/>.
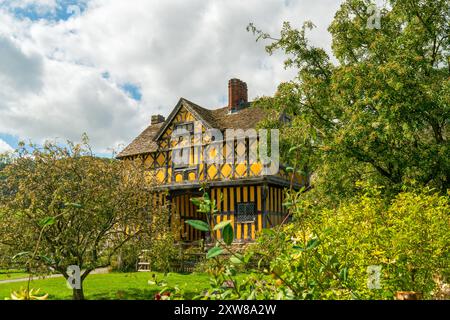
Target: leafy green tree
<point x="4" y="160"/>
<point x="80" y="208"/>
<point x="379" y="109"/>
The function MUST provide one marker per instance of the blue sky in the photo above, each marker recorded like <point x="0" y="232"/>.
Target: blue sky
<point x="103" y="67"/>
<point x="131" y="89"/>
<point x="36" y="10"/>
<point x="11" y="140"/>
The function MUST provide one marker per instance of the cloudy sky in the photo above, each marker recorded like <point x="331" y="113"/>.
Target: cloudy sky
<point x="105" y="66"/>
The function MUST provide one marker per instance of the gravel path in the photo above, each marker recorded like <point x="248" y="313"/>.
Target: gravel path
<point x="96" y="271"/>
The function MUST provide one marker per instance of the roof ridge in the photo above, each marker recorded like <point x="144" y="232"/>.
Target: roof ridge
<point x="194" y="104"/>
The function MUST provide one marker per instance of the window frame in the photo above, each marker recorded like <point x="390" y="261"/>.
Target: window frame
<point x="237" y="214"/>
<point x="189" y="124"/>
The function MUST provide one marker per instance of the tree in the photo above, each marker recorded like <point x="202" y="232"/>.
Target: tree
<point x="4" y="160"/>
<point x="381" y="111"/>
<point x="79" y="208"/>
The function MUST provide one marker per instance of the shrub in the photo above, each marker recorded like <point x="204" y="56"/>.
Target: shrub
<point x="326" y="253"/>
<point x="408" y="237"/>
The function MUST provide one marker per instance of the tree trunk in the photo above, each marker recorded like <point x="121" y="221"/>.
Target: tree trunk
<point x="78" y="294"/>
<point x="119" y="261"/>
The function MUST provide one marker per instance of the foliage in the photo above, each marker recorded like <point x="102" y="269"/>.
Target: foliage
<point x="28" y="294"/>
<point x="222" y="269"/>
<point x="5" y="159"/>
<point x="208" y="208"/>
<point x="81" y="207"/>
<point x="280" y="280"/>
<point x="155" y="245"/>
<point x="377" y="113"/>
<point x="325" y="253"/>
<point x="380" y="113"/>
<point x="126" y="258"/>
<point x="408" y="237"/>
<point x="160" y="241"/>
<point x="299" y="260"/>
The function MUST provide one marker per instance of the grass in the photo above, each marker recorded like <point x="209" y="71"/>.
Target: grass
<point x="123" y="286"/>
<point x="12" y="274"/>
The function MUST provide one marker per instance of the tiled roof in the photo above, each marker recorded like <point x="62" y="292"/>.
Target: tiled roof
<point x="245" y="118"/>
<point x="144" y="143"/>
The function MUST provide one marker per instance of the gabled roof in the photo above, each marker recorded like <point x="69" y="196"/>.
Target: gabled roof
<point x="221" y="118"/>
<point x="200" y="113"/>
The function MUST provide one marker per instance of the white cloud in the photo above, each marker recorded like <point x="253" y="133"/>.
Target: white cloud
<point x="4" y="147"/>
<point x="18" y="70"/>
<point x="52" y="85"/>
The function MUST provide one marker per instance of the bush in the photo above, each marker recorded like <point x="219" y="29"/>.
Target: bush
<point x="408" y="237"/>
<point x="161" y="252"/>
<point x="326" y="253"/>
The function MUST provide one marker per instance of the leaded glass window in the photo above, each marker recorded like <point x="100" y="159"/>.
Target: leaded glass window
<point x="246" y="212"/>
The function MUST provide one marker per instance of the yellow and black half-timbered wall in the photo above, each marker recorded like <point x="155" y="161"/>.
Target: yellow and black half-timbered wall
<point x="247" y="196"/>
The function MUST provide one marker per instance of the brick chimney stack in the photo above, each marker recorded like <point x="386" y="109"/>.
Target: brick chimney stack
<point x="157" y="119"/>
<point x="237" y="94"/>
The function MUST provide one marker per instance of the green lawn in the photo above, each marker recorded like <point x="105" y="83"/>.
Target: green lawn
<point x="12" y="274"/>
<point x="114" y="286"/>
